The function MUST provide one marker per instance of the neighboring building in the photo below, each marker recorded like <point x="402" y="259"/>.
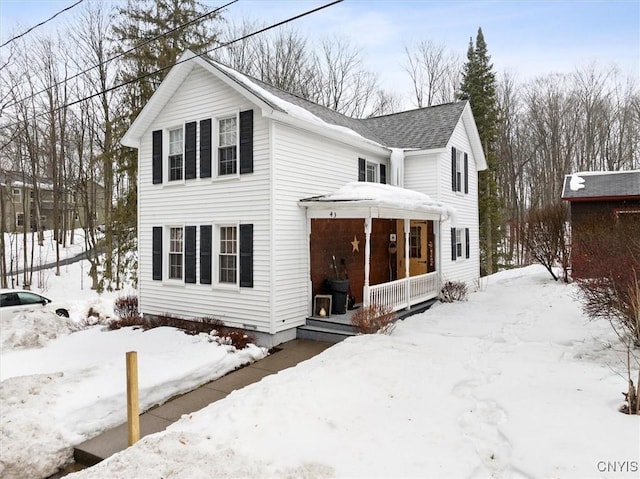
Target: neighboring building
<point x="247" y="193"/>
<point x="23" y="212"/>
<point x="601" y="203"/>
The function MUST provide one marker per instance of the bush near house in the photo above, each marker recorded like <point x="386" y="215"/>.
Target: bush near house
<point x="373" y="319"/>
<point x="453" y="291"/>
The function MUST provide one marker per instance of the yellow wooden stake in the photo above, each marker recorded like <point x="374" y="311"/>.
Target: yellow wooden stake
<point x="133" y="416"/>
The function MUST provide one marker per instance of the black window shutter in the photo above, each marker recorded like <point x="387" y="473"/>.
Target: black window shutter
<point x="453" y="169"/>
<point x="190" y="150"/>
<point x="205" y="253"/>
<point x="190" y="254"/>
<point x="156" y="157"/>
<point x="453" y="244"/>
<point x="383" y="174"/>
<point x="156" y="249"/>
<point x="246" y="141"/>
<point x="246" y="256"/>
<point x="205" y="148"/>
<point x="362" y="169"/>
<point x="466" y="174"/>
<point x="466" y="243"/>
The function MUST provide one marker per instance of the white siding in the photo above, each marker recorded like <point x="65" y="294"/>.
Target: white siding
<point x="207" y="201"/>
<point x="305" y="165"/>
<point x="466" y="205"/>
<point x="430" y="173"/>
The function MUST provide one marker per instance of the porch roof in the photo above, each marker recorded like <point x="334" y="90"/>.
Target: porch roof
<point x="374" y="200"/>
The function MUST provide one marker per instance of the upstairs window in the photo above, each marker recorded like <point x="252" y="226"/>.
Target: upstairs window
<point x="17" y="195"/>
<point x="176" y="250"/>
<point x="459" y="171"/>
<point x="176" y="148"/>
<point x="227" y="146"/>
<point x="371" y="172"/>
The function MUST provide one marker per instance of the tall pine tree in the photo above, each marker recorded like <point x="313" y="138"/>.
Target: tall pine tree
<point x="158" y="26"/>
<point x="479" y="87"/>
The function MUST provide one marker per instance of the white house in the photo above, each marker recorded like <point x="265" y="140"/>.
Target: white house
<point x="250" y="198"/>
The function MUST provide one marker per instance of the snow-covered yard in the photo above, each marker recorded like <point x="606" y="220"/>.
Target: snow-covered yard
<point x="515" y="382"/>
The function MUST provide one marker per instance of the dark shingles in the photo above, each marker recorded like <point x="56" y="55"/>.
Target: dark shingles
<point x="424" y="128"/>
<point x="605" y="184"/>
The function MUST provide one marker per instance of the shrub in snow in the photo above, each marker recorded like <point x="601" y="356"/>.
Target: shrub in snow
<point x="373" y="319"/>
<point x="126" y="307"/>
<point x="545" y="237"/>
<point x="609" y="259"/>
<point x="453" y="291"/>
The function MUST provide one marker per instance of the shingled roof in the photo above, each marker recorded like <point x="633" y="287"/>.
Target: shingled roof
<point x="423" y="128"/>
<point x="601" y="185"/>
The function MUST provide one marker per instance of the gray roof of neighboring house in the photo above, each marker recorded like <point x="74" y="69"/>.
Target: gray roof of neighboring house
<point x="601" y="185"/>
<point x="423" y="128"/>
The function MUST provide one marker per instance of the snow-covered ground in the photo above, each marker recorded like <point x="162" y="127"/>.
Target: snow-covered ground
<point x="515" y="382"/>
<point x="62" y="383"/>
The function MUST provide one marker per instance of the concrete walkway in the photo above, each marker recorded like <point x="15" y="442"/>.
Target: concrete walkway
<point x="157" y="419"/>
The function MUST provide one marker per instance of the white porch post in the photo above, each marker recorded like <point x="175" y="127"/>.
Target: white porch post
<point x="367" y="260"/>
<point x="407" y="278"/>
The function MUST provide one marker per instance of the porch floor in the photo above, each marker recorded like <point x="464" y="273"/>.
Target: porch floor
<point x="337" y="327"/>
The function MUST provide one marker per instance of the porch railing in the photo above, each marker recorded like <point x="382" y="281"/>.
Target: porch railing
<point x="405" y="292"/>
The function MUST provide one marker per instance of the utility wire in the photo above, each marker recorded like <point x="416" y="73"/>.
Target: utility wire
<point x="40" y="24"/>
<point x="135" y="47"/>
<point x="141" y="77"/>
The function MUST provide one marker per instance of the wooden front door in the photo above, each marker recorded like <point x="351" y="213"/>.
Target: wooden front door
<point x="421" y="248"/>
<point x="417" y="248"/>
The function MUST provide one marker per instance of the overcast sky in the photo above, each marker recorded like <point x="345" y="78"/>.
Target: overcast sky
<point x="528" y="38"/>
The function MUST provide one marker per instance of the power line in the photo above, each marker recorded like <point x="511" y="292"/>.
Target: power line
<point x="140" y="45"/>
<point x="141" y="77"/>
<point x="41" y="23"/>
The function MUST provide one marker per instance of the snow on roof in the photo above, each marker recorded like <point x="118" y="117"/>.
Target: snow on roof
<point x="377" y="194"/>
<point x="589" y="185"/>
<point x="291" y="109"/>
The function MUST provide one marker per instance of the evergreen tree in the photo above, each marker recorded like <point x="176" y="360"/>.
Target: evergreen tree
<point x="479" y="87"/>
<point x="139" y="22"/>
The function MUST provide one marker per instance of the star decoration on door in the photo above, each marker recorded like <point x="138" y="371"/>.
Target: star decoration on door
<point x="356" y="244"/>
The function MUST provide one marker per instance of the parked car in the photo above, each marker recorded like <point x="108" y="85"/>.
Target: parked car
<point x="15" y="301"/>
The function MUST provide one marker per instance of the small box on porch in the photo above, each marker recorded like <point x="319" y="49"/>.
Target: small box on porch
<point x="322" y="305"/>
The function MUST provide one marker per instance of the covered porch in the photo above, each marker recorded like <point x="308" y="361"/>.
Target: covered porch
<point x="383" y="239"/>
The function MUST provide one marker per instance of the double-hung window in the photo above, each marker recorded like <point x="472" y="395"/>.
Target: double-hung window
<point x="176" y="253"/>
<point x="228" y="255"/>
<point x="460" y="243"/>
<point x="459" y="240"/>
<point x="17" y="195"/>
<point x="371" y="172"/>
<point x="227" y="146"/>
<point x="176" y="149"/>
<point x="459" y="171"/>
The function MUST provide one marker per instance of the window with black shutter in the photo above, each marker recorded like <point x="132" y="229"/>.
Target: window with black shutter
<point x="362" y="169"/>
<point x="190" y="254"/>
<point x="190" y="150"/>
<point x="467" y="245"/>
<point x="466" y="173"/>
<point x="246" y="142"/>
<point x="156" y="156"/>
<point x="205" y="148"/>
<point x="206" y="242"/>
<point x="454" y="159"/>
<point x="246" y="256"/>
<point x="156" y="253"/>
<point x="454" y="256"/>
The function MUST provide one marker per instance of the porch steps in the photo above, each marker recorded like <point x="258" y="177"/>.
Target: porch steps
<point x="338" y="328"/>
<point x="321" y="330"/>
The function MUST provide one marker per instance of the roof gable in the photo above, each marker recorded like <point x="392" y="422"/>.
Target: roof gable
<point x="422" y="129"/>
<point x="600" y="185"/>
